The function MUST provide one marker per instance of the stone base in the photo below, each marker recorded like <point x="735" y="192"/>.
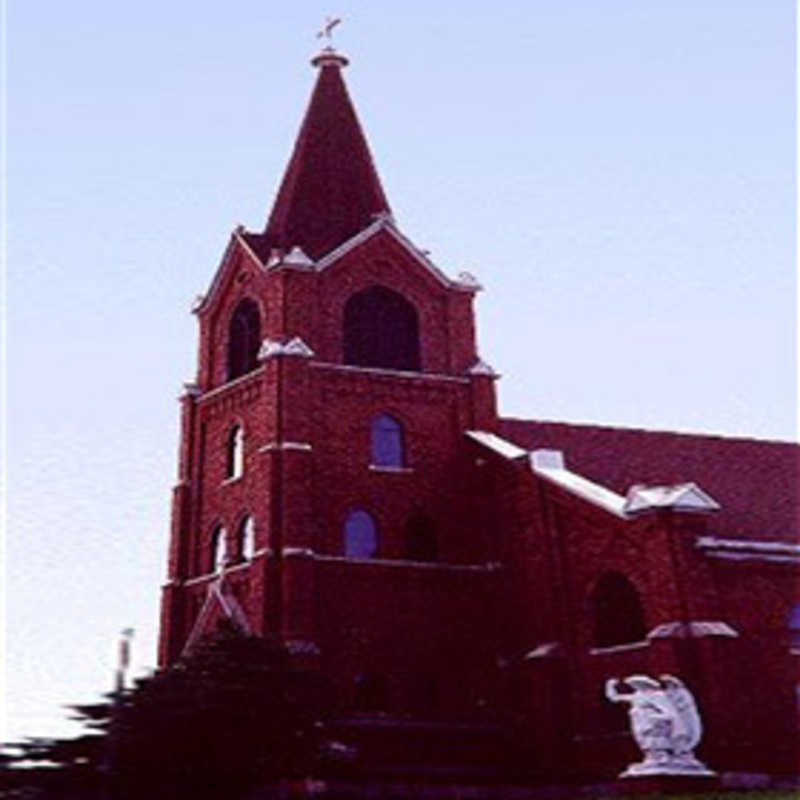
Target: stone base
<point x="683" y="766"/>
<point x="668" y="784"/>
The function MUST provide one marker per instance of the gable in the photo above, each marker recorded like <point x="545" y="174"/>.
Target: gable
<point x="220" y="604"/>
<point x="237" y="258"/>
<point x="384" y="228"/>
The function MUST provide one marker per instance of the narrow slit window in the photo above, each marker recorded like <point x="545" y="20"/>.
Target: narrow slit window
<point x="218" y="549"/>
<point x="235" y="466"/>
<point x="247" y="539"/>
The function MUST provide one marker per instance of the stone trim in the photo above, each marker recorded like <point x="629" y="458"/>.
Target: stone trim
<point x="619" y="648"/>
<point x="300" y="446"/>
<point x="399" y="562"/>
<point x="393" y="373"/>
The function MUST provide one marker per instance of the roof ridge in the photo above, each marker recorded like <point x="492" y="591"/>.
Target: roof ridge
<point x="654" y="431"/>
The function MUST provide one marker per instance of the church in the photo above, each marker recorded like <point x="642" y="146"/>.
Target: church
<point x="347" y="484"/>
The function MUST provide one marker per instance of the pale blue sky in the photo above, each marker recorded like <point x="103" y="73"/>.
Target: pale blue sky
<point x="619" y="175"/>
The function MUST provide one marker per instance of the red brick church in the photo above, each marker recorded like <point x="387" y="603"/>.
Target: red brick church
<point x="346" y="483"/>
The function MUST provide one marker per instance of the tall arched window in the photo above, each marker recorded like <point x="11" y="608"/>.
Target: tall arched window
<point x="235" y="452"/>
<point x="794" y="627"/>
<point x="617" y="611"/>
<point x="247" y="538"/>
<point x="386" y="442"/>
<point x="360" y="535"/>
<point x="244" y="339"/>
<point x="381" y="329"/>
<point x="219" y="548"/>
<point x="420" y="539"/>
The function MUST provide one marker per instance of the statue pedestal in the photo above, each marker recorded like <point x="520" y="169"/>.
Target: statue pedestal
<point x="671" y="766"/>
<point x="667" y="784"/>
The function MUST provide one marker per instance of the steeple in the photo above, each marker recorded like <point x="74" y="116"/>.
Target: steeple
<point x="330" y="190"/>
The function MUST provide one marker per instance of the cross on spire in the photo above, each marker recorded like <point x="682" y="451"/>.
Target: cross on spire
<point x="326" y="32"/>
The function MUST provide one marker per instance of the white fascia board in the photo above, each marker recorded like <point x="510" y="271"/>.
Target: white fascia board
<point x="249" y="250"/>
<point x="582" y="487"/>
<point x="200" y="306"/>
<point x="385" y="223"/>
<point x="497" y="444"/>
<point x="730" y="555"/>
<point x="712" y="542"/>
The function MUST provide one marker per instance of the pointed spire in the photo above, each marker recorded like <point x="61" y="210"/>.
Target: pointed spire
<point x="330" y="190"/>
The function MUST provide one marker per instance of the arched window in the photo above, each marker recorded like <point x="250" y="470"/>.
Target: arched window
<point x="247" y="538"/>
<point x="381" y="330"/>
<point x="244" y="339"/>
<point x="420" y="539"/>
<point x="618" y="615"/>
<point x="371" y="693"/>
<point x="794" y="627"/>
<point x="235" y="452"/>
<point x="386" y="443"/>
<point x="360" y="535"/>
<point x="218" y="548"/>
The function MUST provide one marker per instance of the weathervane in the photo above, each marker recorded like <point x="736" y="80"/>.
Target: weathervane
<point x="326" y="31"/>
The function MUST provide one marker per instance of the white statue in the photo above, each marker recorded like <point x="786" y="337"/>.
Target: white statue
<point x="665" y="724"/>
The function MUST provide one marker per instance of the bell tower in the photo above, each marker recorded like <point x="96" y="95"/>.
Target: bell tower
<point x="318" y="482"/>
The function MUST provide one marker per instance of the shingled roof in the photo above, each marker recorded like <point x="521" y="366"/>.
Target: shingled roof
<point x="756" y="482"/>
<point x="330" y="190"/>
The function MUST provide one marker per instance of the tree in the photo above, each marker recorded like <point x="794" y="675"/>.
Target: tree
<point x="233" y="713"/>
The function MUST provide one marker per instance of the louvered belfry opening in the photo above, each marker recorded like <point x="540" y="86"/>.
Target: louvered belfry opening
<point x="244" y="339"/>
<point x="381" y="329"/>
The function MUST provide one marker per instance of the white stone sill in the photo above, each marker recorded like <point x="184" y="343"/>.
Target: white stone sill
<point x="391" y="470"/>
<point x="618" y="648"/>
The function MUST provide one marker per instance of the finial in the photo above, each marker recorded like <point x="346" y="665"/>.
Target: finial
<point x="328" y="55"/>
<point x="326" y="32"/>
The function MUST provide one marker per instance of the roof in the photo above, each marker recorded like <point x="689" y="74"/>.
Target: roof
<point x="330" y="190"/>
<point x="755" y="482"/>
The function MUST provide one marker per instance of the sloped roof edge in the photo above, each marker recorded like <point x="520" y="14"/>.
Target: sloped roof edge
<point x="385" y="222"/>
<point x="230" y="608"/>
<point x="236" y="238"/>
<point x="549" y="464"/>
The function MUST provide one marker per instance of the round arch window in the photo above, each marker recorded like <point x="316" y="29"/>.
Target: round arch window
<point x="617" y="610"/>
<point x="360" y="535"/>
<point x="244" y="339"/>
<point x="381" y="329"/>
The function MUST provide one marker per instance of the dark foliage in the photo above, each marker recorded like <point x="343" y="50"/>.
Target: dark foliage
<point x="233" y="714"/>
